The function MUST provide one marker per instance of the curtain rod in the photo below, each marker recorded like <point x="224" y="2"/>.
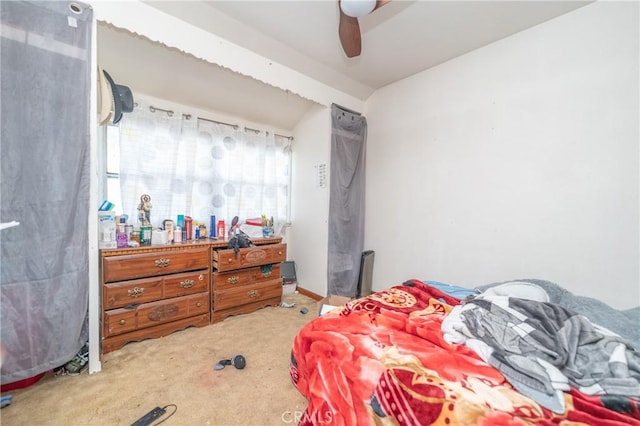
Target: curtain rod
<point x="154" y="109"/>
<point x="235" y="126"/>
<point x="283" y="136"/>
<point x="168" y="111"/>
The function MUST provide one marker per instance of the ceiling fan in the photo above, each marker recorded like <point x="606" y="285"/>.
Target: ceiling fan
<point x="349" y="28"/>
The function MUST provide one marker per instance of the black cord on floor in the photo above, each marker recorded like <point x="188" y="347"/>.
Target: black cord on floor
<point x="164" y="408"/>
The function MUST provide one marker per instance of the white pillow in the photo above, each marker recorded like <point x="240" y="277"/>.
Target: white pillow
<point x="517" y="289"/>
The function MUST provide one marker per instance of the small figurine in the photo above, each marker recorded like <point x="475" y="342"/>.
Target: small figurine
<point x="144" y="210"/>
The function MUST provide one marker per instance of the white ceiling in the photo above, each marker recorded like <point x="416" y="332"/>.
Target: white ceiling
<point x="398" y="40"/>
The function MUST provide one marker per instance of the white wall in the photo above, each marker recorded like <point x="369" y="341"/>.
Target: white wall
<point x="517" y="160"/>
<point x="307" y="239"/>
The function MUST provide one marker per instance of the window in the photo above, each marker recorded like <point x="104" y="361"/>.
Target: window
<point x="196" y="167"/>
<point x="112" y="142"/>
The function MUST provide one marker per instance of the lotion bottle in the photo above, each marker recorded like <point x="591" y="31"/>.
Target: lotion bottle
<point x="221" y="230"/>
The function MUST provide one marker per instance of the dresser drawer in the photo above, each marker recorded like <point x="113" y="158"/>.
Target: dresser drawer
<point x="186" y="283"/>
<point x="121" y="320"/>
<point x="226" y="260"/>
<point x="232" y="297"/>
<point x="172" y="309"/>
<point x="117" y="295"/>
<point x="233" y="279"/>
<point x="131" y="266"/>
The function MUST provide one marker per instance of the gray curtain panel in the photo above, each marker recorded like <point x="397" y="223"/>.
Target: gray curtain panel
<point x="45" y="84"/>
<point x="346" y="200"/>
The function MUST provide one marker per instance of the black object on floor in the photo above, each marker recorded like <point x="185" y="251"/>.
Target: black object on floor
<point x="237" y="361"/>
<point x="366" y="274"/>
<point x="148" y="418"/>
<point x="288" y="272"/>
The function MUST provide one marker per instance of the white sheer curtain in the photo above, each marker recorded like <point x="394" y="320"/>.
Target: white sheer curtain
<point x="200" y="168"/>
<point x="157" y="156"/>
<point x="245" y="173"/>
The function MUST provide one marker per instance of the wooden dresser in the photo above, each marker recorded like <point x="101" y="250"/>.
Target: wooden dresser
<point x="248" y="280"/>
<point x="153" y="291"/>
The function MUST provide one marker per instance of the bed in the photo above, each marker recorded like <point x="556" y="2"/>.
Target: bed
<point x="513" y="353"/>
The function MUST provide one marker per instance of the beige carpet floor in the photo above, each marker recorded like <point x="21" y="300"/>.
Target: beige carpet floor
<point x="179" y="369"/>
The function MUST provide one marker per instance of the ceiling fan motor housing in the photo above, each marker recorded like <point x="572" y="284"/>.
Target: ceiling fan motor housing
<point x="357" y="8"/>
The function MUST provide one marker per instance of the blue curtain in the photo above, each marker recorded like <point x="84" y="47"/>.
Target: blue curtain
<point x="45" y="92"/>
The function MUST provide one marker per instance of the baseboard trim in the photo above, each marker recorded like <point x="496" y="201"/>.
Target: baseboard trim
<point x="308" y="293"/>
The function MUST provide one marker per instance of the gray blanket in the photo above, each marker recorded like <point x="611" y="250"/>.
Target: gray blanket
<point x="625" y="323"/>
<point x="539" y="346"/>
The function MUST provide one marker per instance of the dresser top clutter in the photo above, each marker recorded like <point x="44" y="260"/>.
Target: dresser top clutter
<point x="211" y="243"/>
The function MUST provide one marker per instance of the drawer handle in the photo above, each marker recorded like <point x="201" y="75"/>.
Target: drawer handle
<point x="230" y="260"/>
<point x="186" y="283"/>
<point x="162" y="262"/>
<point x="233" y="280"/>
<point x="252" y="293"/>
<point x="136" y="292"/>
<point x="200" y="277"/>
<point x="199" y="304"/>
<point x="280" y="253"/>
<point x="266" y="274"/>
<point x="122" y="322"/>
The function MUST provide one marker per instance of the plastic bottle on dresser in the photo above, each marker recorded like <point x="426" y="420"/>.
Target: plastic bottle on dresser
<point x="221" y="230"/>
<point x="169" y="227"/>
<point x="177" y="235"/>
<point x="212" y="227"/>
<point x="188" y="226"/>
<point x="122" y="239"/>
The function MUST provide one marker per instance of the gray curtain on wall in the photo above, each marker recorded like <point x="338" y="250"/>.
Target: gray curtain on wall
<point x="346" y="200"/>
<point x="45" y="64"/>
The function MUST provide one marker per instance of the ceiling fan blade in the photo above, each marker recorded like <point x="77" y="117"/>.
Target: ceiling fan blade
<point x="349" y="32"/>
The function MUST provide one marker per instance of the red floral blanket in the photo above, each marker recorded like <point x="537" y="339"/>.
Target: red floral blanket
<point x="382" y="360"/>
